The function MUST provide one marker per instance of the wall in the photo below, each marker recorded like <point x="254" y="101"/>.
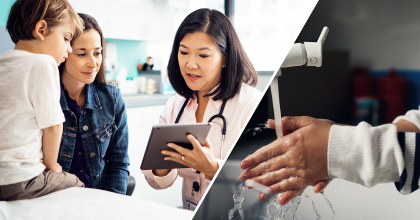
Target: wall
<point x="4" y="10"/>
<point x="6" y="42"/>
<point x="266" y="28"/>
<point x="379" y="35"/>
<point x="130" y="54"/>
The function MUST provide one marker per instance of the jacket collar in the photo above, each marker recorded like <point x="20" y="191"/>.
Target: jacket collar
<point x="91" y="102"/>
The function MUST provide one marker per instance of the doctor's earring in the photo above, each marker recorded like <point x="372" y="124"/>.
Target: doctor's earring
<point x="224" y="66"/>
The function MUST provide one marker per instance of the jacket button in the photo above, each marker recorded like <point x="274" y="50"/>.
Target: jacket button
<point x="97" y="176"/>
<point x="85" y="128"/>
<point x="92" y="155"/>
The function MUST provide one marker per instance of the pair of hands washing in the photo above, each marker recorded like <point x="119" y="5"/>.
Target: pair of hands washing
<point x="291" y="163"/>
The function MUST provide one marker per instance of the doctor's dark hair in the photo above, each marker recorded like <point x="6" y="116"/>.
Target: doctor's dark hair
<point x="92" y="24"/>
<point x="238" y="68"/>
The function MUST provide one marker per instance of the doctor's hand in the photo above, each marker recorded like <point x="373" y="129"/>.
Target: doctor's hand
<point x="293" y="162"/>
<point x="199" y="158"/>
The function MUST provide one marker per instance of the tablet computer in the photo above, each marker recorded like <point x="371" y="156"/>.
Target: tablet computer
<point x="174" y="133"/>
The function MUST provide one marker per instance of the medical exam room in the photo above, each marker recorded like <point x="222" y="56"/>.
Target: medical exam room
<point x="370" y="72"/>
<point x="138" y="36"/>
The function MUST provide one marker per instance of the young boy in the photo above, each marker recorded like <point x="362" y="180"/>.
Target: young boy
<point x="30" y="114"/>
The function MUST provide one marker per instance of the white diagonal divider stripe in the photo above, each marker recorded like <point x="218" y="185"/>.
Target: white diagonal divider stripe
<point x="294" y="20"/>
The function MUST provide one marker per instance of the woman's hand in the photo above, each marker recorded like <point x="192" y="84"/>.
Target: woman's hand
<point x="199" y="158"/>
<point x="293" y="162"/>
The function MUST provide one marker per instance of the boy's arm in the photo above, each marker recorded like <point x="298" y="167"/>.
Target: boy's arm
<point x="44" y="95"/>
<point x="50" y="147"/>
<point x="406" y="126"/>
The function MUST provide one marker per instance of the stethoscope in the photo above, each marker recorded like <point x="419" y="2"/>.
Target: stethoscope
<point x="196" y="185"/>
<point x="220" y="115"/>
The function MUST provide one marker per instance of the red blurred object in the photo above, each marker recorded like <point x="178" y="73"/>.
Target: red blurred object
<point x="363" y="83"/>
<point x="366" y="102"/>
<point x="392" y="91"/>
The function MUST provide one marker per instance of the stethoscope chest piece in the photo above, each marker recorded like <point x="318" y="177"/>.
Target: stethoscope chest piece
<point x="196" y="186"/>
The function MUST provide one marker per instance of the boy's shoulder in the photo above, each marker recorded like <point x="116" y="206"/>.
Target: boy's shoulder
<point x="27" y="58"/>
<point x="29" y="67"/>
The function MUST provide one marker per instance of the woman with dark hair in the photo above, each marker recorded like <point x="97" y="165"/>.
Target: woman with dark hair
<point x="95" y="134"/>
<point x="211" y="73"/>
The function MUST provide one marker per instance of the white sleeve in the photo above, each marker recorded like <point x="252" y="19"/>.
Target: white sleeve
<point x="44" y="93"/>
<point x="364" y="154"/>
<point x="412" y="116"/>
<point x="160" y="182"/>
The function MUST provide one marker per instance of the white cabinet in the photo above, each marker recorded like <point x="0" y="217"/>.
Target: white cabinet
<point x="130" y="19"/>
<point x="140" y="121"/>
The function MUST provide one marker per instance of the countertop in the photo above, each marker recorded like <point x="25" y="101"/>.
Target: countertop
<point x="142" y="100"/>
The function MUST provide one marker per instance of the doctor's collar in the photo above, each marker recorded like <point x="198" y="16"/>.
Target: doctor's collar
<point x="217" y="103"/>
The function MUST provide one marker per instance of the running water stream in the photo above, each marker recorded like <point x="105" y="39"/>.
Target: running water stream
<point x="238" y="199"/>
<point x="279" y="211"/>
<point x="329" y="204"/>
<point x="275" y="211"/>
<point x="317" y="216"/>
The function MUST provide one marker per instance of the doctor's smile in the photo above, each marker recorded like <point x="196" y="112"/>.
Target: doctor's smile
<point x="193" y="77"/>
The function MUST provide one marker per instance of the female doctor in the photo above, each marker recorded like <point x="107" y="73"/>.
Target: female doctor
<point x="213" y="76"/>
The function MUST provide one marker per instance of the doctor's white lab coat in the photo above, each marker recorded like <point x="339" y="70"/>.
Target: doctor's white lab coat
<point x="237" y="111"/>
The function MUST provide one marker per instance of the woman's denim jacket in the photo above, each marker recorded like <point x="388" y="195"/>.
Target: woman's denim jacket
<point x="103" y="123"/>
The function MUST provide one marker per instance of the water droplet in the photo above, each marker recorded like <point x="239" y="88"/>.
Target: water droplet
<point x="278" y="211"/>
<point x="261" y="127"/>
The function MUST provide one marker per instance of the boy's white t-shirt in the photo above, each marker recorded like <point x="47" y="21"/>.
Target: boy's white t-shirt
<point x="29" y="102"/>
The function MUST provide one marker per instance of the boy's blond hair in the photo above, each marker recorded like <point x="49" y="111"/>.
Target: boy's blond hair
<point x="25" y="14"/>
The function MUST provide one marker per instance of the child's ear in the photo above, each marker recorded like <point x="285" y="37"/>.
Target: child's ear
<point x="40" y="30"/>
